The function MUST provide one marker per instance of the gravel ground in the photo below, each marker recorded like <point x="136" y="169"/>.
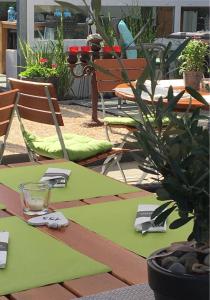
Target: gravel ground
<point x="74" y="117"/>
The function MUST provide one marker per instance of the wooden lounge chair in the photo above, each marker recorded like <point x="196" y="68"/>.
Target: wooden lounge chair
<point x="37" y="102"/>
<point x="8" y="101"/>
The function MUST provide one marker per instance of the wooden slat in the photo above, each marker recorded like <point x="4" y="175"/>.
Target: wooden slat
<point x="5" y="113"/>
<point x="22" y="164"/>
<point x="125" y="265"/>
<point x="3" y="128"/>
<point x="11" y="199"/>
<point x="101" y="199"/>
<point x="7" y="98"/>
<point x="3" y="298"/>
<point x="4" y="214"/>
<point x="36" y="102"/>
<point x="3" y="166"/>
<point x="141" y="193"/>
<point x="50" y="292"/>
<point x="116" y="74"/>
<point x="93" y="284"/>
<point x="107" y="86"/>
<point x="32" y="88"/>
<point x="128" y="63"/>
<point x="39" y="116"/>
<point x="46" y="161"/>
<point x="67" y="204"/>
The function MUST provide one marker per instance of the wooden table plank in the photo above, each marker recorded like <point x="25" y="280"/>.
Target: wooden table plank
<point x="49" y="292"/>
<point x="67" y="204"/>
<point x="4" y="214"/>
<point x="90" y="285"/>
<point x="101" y="199"/>
<point x="125" y="265"/>
<point x="22" y="164"/>
<point x="141" y="193"/>
<point x="51" y="161"/>
<point x="11" y="199"/>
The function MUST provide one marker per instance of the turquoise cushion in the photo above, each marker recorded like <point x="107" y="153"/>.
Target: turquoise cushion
<point x="127" y="39"/>
<point x="129" y="121"/>
<point x="78" y="147"/>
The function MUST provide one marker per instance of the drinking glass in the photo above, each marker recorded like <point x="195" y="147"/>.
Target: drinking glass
<point x="35" y="197"/>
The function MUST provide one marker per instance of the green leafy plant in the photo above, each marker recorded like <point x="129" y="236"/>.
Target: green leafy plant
<point x="136" y="17"/>
<point x="48" y="60"/>
<point x="193" y="56"/>
<point x="178" y="152"/>
<point x="40" y="69"/>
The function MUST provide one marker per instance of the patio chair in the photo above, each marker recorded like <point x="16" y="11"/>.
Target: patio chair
<point x="8" y="101"/>
<point x="38" y="103"/>
<point x="108" y="76"/>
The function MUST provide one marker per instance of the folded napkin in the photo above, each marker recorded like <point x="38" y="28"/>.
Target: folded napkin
<point x="143" y="221"/>
<point x="4" y="239"/>
<point x="56" y="177"/>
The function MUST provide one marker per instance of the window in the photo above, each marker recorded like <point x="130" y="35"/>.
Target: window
<point x="48" y="17"/>
<point x="195" y="19"/>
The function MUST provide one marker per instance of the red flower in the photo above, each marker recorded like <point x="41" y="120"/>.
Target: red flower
<point x="43" y="60"/>
<point x="54" y="66"/>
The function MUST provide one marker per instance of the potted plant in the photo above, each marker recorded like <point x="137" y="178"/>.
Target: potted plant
<point x="179" y="153"/>
<point x="46" y="62"/>
<point x="193" y="61"/>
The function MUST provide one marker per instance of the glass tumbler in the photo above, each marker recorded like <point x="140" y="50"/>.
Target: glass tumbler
<point x="35" y="197"/>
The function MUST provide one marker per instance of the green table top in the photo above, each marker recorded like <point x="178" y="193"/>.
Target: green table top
<point x="115" y="221"/>
<point x="2" y="206"/>
<point x="36" y="259"/>
<point x="82" y="184"/>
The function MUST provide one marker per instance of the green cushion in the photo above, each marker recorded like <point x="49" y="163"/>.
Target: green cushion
<point x="129" y="121"/>
<point x="120" y="121"/>
<point x="78" y="147"/>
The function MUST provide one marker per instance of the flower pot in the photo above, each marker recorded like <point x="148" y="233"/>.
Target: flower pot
<point x="193" y="79"/>
<point x="170" y="286"/>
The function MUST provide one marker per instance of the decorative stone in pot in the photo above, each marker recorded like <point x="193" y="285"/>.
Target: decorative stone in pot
<point x="193" y="79"/>
<point x="171" y="281"/>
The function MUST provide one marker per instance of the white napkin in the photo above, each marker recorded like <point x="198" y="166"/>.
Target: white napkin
<point x="4" y="239"/>
<point x="143" y="221"/>
<point x="56" y="177"/>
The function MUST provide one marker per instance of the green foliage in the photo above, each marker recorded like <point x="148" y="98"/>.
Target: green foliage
<point x="47" y="59"/>
<point x="178" y="151"/>
<point x="39" y="70"/>
<point x="136" y="17"/>
<point x="193" y="56"/>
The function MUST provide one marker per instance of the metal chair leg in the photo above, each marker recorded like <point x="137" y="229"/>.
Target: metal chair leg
<point x="111" y="161"/>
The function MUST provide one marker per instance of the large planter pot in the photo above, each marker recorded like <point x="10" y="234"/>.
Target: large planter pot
<point x="170" y="286"/>
<point x="193" y="79"/>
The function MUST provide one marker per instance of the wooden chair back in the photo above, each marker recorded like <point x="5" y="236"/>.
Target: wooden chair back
<point x="7" y="104"/>
<point x="37" y="101"/>
<point x="8" y="101"/>
<point x="109" y="72"/>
